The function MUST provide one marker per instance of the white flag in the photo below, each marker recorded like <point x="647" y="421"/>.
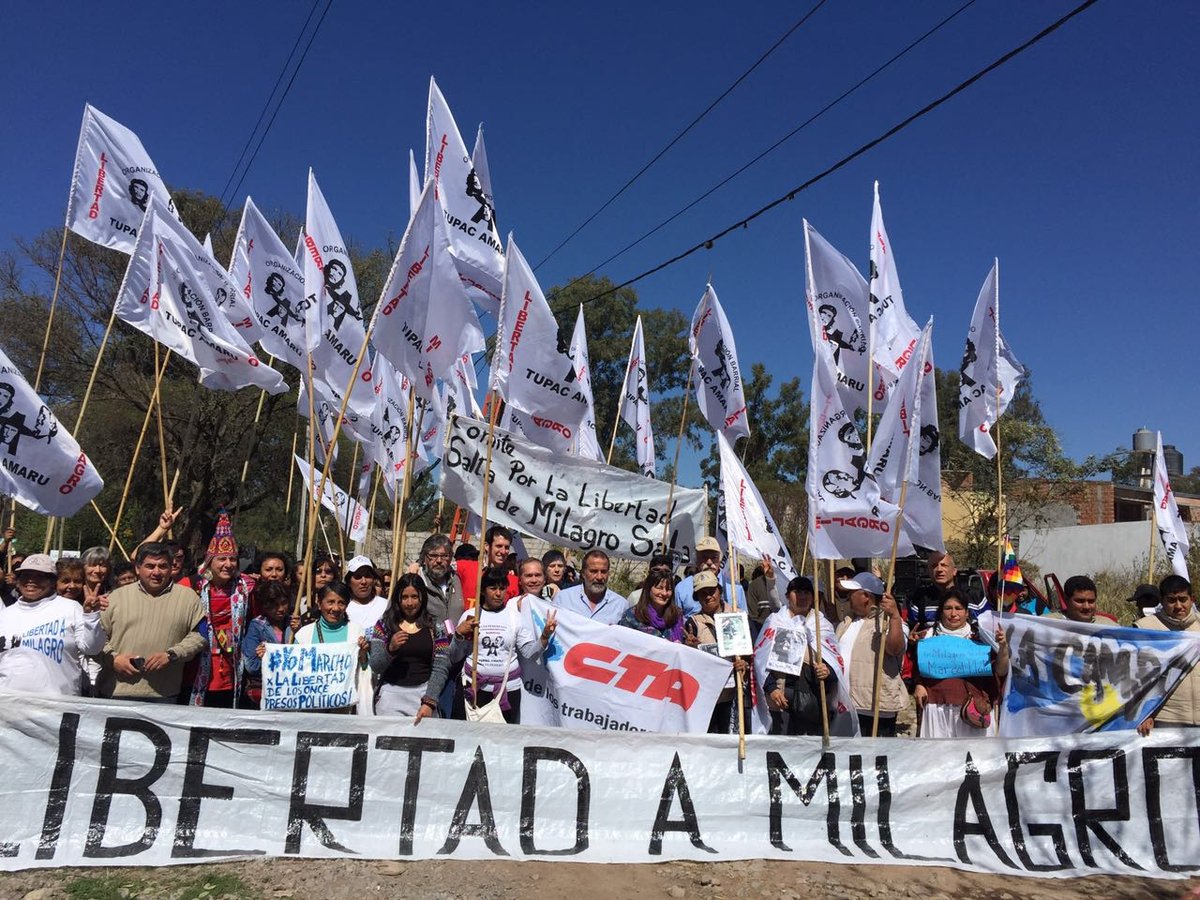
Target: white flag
<point x="425" y="321"/>
<point x="41" y="465"/>
<point x="170" y="292"/>
<point x="894" y="335"/>
<point x="469" y="211"/>
<point x="334" y="319"/>
<point x="113" y="182"/>
<point x="748" y="523"/>
<point x="1166" y="514"/>
<point x="635" y="401"/>
<point x="838" y="303"/>
<point x="414" y="185"/>
<point x="272" y="283"/>
<point x="350" y="515"/>
<point x="847" y="517"/>
<point x="531" y="368"/>
<point x="989" y="371"/>
<point x="482" y="171"/>
<point x="718" y="377"/>
<point x="587" y="445"/>
<point x="389" y="424"/>
<point x="460" y="389"/>
<point x="907" y="448"/>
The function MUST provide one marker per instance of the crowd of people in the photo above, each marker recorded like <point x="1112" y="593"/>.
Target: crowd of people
<point x="155" y="632"/>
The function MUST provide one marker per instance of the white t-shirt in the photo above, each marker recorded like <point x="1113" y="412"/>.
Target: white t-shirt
<point x="500" y="637"/>
<point x="365" y="615"/>
<point x="61" y="631"/>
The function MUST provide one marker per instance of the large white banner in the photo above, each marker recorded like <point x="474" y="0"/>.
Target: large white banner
<point x="351" y="516"/>
<point x="173" y="291"/>
<point x="568" y="501"/>
<point x="599" y="677"/>
<point x="1072" y="677"/>
<point x="132" y="784"/>
<point x="41" y="464"/>
<point x="112" y="184"/>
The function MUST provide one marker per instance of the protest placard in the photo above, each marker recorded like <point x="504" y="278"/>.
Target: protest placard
<point x="309" y="676"/>
<point x="949" y="656"/>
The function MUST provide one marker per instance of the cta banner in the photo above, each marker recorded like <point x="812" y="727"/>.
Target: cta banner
<point x="107" y="783"/>
<point x="608" y="677"/>
<point x="566" y="500"/>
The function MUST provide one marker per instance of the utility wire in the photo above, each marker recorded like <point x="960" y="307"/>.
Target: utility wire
<point x="296" y="71"/>
<point x="891" y="132"/>
<point x="266" y="106"/>
<point x="775" y="146"/>
<point x="679" y="136"/>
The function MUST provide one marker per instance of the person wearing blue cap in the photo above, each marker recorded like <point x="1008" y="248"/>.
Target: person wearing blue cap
<point x="873" y="627"/>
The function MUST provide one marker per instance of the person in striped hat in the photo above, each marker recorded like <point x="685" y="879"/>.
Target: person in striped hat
<point x="227" y="598"/>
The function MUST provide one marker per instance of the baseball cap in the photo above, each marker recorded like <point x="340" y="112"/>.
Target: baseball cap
<point x="703" y="580"/>
<point x="708" y="545"/>
<point x="359" y="562"/>
<point x="1146" y="595"/>
<point x="863" y="581"/>
<point x="38" y="562"/>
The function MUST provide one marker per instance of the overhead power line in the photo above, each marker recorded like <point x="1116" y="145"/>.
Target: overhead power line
<point x="671" y="143"/>
<point x="708" y="243"/>
<point x="287" y="62"/>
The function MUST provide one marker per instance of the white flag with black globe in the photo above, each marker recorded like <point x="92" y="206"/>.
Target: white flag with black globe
<point x="587" y="445"/>
<point x="112" y="184"/>
<point x="171" y="291"/>
<point x="41" y="465"/>
<point x="838" y="299"/>
<point x="425" y="322"/>
<point x="635" y="402"/>
<point x="273" y="284"/>
<point x="531" y="368"/>
<point x="989" y="372"/>
<point x="719" y="391"/>
<point x="470" y="215"/>
<point x="1166" y="515"/>
<point x="748" y="523"/>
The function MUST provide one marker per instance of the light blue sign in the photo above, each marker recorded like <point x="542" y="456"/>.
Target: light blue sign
<point x="947" y="656"/>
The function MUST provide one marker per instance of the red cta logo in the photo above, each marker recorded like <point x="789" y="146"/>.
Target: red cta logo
<point x="647" y="678"/>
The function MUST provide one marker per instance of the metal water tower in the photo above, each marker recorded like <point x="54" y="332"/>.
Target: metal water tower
<point x="1144" y="444"/>
<point x="1174" y="460"/>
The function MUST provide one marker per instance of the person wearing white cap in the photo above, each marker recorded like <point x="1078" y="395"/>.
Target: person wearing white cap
<point x="366" y="607"/>
<point x="708" y="559"/>
<point x="874" y="626"/>
<point x="59" y="629"/>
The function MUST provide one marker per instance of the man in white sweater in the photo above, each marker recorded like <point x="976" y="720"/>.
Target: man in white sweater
<point x="61" y="630"/>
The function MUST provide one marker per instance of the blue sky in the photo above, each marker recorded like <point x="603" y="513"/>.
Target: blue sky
<point x="1075" y="164"/>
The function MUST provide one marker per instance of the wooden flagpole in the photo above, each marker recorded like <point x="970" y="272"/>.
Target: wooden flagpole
<point x="738" y="679"/>
<point x="112" y="531"/>
<point x="400" y="522"/>
<point x="287" y="510"/>
<point x="83" y="404"/>
<point x="262" y="396"/>
<point x="371" y="508"/>
<point x="1153" y="535"/>
<point x="162" y="441"/>
<point x="817" y="620"/>
<point x="137" y="449"/>
<point x="880" y="650"/>
<point x="687" y="393"/>
<point x="314" y="503"/>
<point x="483" y="519"/>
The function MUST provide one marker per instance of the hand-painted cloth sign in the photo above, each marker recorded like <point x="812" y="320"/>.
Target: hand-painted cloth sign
<point x="302" y="677"/>
<point x="1070" y="677"/>
<point x="135" y="784"/>
<point x="568" y="501"/>
<point x="948" y="656"/>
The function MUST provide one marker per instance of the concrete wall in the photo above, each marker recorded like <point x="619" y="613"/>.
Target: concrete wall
<point x="1088" y="549"/>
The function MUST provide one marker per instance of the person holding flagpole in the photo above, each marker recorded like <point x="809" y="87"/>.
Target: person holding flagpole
<point x="874" y="627"/>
